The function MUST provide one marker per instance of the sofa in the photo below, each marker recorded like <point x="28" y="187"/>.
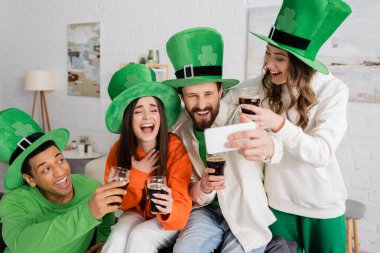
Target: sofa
<point x="95" y="168"/>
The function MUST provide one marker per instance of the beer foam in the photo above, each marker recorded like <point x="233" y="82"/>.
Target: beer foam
<point x="215" y="159"/>
<point x="155" y="186"/>
<point x="245" y="96"/>
<point x="117" y="179"/>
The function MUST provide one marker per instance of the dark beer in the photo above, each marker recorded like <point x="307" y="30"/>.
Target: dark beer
<point x="152" y="189"/>
<point x="126" y="180"/>
<point x="216" y="163"/>
<point x="249" y="100"/>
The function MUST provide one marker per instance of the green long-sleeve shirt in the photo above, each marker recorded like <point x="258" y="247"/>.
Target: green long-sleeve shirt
<point x="31" y="223"/>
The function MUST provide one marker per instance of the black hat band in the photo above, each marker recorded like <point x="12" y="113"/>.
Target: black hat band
<point x="288" y="39"/>
<point x="189" y="71"/>
<point x="23" y="144"/>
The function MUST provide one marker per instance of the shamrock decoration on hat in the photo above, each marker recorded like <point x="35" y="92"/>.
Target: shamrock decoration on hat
<point x="128" y="76"/>
<point x="197" y="57"/>
<point x="19" y="136"/>
<point x="135" y="81"/>
<point x="302" y="27"/>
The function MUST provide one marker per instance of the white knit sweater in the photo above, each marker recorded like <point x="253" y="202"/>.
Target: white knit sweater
<point x="308" y="181"/>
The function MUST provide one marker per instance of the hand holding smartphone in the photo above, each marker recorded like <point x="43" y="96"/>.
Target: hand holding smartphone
<point x="216" y="137"/>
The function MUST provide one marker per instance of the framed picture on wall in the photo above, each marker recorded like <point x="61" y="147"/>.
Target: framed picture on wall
<point x="83" y="59"/>
<point x="352" y="53"/>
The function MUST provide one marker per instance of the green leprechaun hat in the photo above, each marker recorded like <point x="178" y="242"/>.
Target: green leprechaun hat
<point x="19" y="136"/>
<point x="130" y="90"/>
<point x="128" y="76"/>
<point x="197" y="57"/>
<point x="302" y="27"/>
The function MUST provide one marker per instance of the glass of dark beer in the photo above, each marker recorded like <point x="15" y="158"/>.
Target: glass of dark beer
<point x="216" y="162"/>
<point x="155" y="185"/>
<point x="119" y="174"/>
<point x="249" y="95"/>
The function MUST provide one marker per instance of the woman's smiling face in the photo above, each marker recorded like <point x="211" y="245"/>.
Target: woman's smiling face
<point x="277" y="63"/>
<point x="146" y="122"/>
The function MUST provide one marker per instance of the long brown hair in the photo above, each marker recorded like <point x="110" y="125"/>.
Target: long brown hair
<point x="128" y="142"/>
<point x="300" y="76"/>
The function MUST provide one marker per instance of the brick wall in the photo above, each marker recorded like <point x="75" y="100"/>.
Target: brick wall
<point x="33" y="36"/>
<point x="359" y="157"/>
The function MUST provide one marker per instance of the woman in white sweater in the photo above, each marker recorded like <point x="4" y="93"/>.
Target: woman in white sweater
<point x="304" y="106"/>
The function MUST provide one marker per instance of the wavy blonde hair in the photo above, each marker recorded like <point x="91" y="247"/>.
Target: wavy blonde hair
<point x="300" y="76"/>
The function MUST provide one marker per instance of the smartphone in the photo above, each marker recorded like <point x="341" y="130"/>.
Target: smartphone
<point x="216" y="137"/>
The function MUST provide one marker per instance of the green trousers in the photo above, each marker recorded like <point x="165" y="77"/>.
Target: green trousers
<point x="311" y="235"/>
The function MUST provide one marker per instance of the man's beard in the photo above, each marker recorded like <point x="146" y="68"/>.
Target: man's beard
<point x="202" y="124"/>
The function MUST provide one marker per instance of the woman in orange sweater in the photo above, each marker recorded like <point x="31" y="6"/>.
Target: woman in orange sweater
<point x="142" y="114"/>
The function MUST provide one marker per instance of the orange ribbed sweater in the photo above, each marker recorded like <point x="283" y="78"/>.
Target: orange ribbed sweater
<point x="178" y="172"/>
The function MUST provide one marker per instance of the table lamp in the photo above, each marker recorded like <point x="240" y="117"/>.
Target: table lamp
<point x="40" y="81"/>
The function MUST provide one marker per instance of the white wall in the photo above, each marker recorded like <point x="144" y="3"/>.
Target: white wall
<point x="33" y="36"/>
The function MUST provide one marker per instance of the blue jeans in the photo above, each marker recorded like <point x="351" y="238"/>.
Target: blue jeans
<point x="207" y="230"/>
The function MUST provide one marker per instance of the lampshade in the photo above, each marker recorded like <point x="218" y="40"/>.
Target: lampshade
<point x="39" y="80"/>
